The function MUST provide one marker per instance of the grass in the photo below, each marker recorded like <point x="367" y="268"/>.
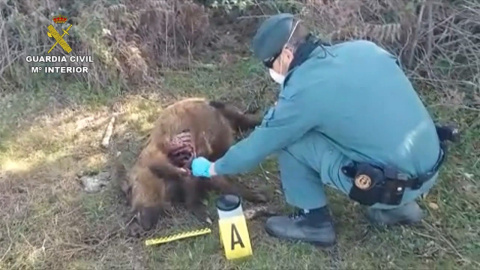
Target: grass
<point x="48" y="222"/>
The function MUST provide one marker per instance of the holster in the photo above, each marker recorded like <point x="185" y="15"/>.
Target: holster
<point x="367" y="183"/>
<point x="373" y="184"/>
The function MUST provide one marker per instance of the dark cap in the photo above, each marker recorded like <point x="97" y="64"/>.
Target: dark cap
<point x="228" y="202"/>
<point x="272" y="35"/>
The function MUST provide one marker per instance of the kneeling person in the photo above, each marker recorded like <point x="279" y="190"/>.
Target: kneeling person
<point x="346" y="117"/>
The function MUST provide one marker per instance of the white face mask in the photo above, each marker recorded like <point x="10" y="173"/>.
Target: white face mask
<point x="277" y="77"/>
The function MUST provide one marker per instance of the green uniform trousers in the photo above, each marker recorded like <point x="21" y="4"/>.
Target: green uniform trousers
<point x="312" y="162"/>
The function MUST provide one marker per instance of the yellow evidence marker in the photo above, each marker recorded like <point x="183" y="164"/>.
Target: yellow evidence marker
<point x="171" y="238"/>
<point x="234" y="234"/>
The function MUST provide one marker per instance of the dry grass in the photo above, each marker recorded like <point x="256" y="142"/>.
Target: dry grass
<point x="51" y="132"/>
<point x="438" y="42"/>
<point x="128" y="41"/>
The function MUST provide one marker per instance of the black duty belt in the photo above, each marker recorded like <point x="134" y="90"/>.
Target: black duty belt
<point x="386" y="185"/>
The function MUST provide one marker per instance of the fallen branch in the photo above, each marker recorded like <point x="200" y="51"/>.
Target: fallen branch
<point x="258" y="211"/>
<point x="108" y="133"/>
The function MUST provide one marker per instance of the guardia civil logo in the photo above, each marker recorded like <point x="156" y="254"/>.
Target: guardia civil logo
<point x="52" y="32"/>
<point x="60" y="58"/>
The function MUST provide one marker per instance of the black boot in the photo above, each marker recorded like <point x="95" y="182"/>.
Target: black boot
<point x="314" y="227"/>
<point x="408" y="214"/>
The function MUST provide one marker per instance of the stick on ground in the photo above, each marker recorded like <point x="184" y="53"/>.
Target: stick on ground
<point x="108" y="133"/>
<point x="258" y="211"/>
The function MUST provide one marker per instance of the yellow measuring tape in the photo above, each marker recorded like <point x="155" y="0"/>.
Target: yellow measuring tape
<point x="175" y="237"/>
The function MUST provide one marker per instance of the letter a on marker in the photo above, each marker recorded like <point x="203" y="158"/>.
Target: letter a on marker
<point x="235" y="237"/>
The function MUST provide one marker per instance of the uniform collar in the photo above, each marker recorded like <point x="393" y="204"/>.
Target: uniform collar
<point x="318" y="52"/>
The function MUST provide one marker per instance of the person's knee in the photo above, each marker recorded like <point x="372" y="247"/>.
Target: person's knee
<point x="301" y="184"/>
<point x="292" y="167"/>
<point x="308" y="150"/>
<point x="299" y="146"/>
<point x="284" y="156"/>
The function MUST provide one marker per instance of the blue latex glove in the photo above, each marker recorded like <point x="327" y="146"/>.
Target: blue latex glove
<point x="202" y="167"/>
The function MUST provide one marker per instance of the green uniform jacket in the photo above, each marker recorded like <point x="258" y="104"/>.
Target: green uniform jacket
<point x="359" y="99"/>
